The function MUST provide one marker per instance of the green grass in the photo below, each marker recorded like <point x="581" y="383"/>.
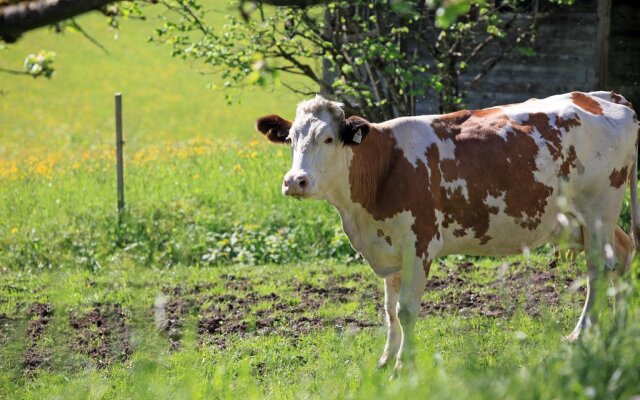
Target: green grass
<point x="164" y="98"/>
<point x="206" y="233"/>
<point x="460" y="355"/>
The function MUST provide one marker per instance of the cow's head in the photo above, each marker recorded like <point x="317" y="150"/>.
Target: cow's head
<point x="319" y="137"/>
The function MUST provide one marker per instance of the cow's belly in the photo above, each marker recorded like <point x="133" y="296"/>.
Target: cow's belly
<point x="378" y="241"/>
<point x="506" y="235"/>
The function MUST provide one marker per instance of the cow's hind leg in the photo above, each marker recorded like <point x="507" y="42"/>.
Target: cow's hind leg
<point x="394" y="331"/>
<point x="625" y="250"/>
<point x="599" y="250"/>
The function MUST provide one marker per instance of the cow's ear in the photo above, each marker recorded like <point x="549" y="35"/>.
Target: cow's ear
<point x="274" y="127"/>
<point x="354" y="130"/>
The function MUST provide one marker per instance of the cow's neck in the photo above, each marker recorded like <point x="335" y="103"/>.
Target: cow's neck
<point x="368" y="169"/>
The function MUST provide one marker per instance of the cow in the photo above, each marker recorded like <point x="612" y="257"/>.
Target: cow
<point x="486" y="182"/>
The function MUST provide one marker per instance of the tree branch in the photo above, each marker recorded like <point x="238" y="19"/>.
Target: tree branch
<point x="13" y="71"/>
<point x="15" y="19"/>
<point x="90" y="38"/>
<point x="292" y="3"/>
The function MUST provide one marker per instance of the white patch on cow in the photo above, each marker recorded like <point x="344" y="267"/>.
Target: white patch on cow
<point x="362" y="231"/>
<point x="447" y="149"/>
<point x="435" y="245"/>
<point x="455" y="184"/>
<point x="544" y="159"/>
<point x="504" y="132"/>
<point x="608" y="252"/>
<point x="414" y="135"/>
<point x="554" y="105"/>
<point x="498" y="202"/>
<point x="563" y="220"/>
<point x="319" y="104"/>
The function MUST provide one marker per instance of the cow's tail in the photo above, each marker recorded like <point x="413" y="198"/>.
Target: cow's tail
<point x="635" y="206"/>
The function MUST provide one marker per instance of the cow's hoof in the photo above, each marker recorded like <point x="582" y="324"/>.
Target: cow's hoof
<point x="383" y="362"/>
<point x="572" y="337"/>
<point x="397" y="370"/>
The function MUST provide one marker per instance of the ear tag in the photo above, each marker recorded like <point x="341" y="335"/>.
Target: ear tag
<point x="357" y="137"/>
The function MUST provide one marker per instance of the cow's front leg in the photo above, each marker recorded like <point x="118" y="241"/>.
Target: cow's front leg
<point x="394" y="332"/>
<point x="412" y="287"/>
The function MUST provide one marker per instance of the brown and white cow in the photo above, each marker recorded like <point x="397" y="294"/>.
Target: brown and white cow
<point x="484" y="182"/>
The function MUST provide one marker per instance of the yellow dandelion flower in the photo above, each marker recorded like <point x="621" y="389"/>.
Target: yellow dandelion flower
<point x="237" y="168"/>
<point x="196" y="176"/>
<point x="14" y="230"/>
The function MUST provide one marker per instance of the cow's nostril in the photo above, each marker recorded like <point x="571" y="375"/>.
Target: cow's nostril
<point x="302" y="183"/>
<point x="285" y="183"/>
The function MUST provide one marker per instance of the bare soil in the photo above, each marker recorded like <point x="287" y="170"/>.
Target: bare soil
<point x="519" y="287"/>
<point x="36" y="356"/>
<point x="102" y="334"/>
<point x="242" y="311"/>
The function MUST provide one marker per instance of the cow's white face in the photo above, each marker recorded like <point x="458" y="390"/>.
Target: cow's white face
<point x="318" y="156"/>
<point x="318" y="137"/>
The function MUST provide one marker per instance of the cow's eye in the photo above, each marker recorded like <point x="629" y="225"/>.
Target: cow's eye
<point x="329" y="141"/>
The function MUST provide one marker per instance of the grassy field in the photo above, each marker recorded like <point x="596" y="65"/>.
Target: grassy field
<point x="212" y="284"/>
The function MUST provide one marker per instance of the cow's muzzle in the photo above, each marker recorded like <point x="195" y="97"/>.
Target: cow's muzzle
<point x="296" y="184"/>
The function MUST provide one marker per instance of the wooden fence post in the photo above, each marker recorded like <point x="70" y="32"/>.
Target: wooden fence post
<point x="119" y="158"/>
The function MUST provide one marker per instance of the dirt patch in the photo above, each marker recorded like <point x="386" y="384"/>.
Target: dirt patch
<point x="36" y="355"/>
<point x="243" y="312"/>
<point x="225" y="316"/>
<point x="237" y="283"/>
<point x="247" y="314"/>
<point x="170" y="310"/>
<point x="466" y="302"/>
<point x="4" y="325"/>
<point x="102" y="334"/>
<point x="536" y="288"/>
<point x="516" y="287"/>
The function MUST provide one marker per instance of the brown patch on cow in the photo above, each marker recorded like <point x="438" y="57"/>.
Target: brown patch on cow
<point x="385" y="183"/>
<point x="567" y="123"/>
<point x="387" y="238"/>
<point x="552" y="136"/>
<point x="502" y="166"/>
<point x="491" y="166"/>
<point x="587" y="103"/>
<point x="618" y="177"/>
<point x="569" y="162"/>
<point x="449" y="125"/>
<point x="620" y="100"/>
<point x="459" y="232"/>
<point x="426" y="267"/>
<point x="487" y="112"/>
